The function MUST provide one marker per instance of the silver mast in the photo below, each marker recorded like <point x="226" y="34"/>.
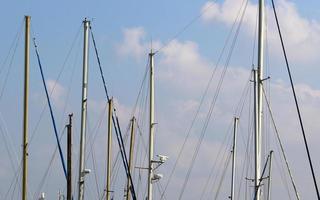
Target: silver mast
<point x="234" y="145"/>
<point x="258" y="113"/>
<point x="151" y="126"/>
<point x="82" y="171"/>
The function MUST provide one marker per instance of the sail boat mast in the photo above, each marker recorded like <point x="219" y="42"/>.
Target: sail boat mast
<point x="109" y="150"/>
<point x="25" y="108"/>
<point x="258" y="103"/>
<point x="82" y="171"/>
<point x="234" y="145"/>
<point x="69" y="153"/>
<point x="132" y="139"/>
<point x="151" y="126"/>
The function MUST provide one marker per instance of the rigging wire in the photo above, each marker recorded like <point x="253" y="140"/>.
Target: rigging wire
<point x="4" y="132"/>
<point x="282" y="175"/>
<point x="296" y="101"/>
<point x="95" y="173"/>
<point x="188" y="132"/>
<point x="14" y="180"/>
<point x="222" y="176"/>
<point x="175" y="36"/>
<point x="35" y="130"/>
<point x="50" y="107"/>
<point x="280" y="144"/>
<point x="213" y="102"/>
<point x="17" y="39"/>
<point x="261" y="177"/>
<point x="44" y="177"/>
<point x="246" y="158"/>
<point x="216" y="161"/>
<point x="115" y="122"/>
<point x="12" y="46"/>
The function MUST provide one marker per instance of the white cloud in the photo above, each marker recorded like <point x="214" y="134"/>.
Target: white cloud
<point x="182" y="66"/>
<point x="301" y="35"/>
<point x="184" y="69"/>
<point x="57" y="92"/>
<point x="134" y="44"/>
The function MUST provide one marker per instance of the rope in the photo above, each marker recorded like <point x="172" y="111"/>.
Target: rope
<point x="51" y="111"/>
<point x="296" y="101"/>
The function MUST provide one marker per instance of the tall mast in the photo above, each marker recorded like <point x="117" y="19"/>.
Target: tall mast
<point x="258" y="113"/>
<point x="234" y="145"/>
<point x="151" y="126"/>
<point x="69" y="164"/>
<point x="269" y="179"/>
<point x="132" y="138"/>
<point x="25" y="108"/>
<point x="108" y="189"/>
<point x="82" y="171"/>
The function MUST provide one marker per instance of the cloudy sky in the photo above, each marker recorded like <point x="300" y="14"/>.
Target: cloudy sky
<point x="190" y="37"/>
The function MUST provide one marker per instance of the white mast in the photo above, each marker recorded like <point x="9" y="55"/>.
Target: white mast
<point x="269" y="176"/>
<point x="109" y="150"/>
<point x="82" y="170"/>
<point x="258" y="103"/>
<point x="151" y="126"/>
<point x="235" y="130"/>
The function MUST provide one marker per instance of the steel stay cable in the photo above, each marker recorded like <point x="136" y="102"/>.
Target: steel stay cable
<point x="53" y="88"/>
<point x="282" y="176"/>
<point x="280" y="144"/>
<point x="10" y="64"/>
<point x="95" y="173"/>
<point x="12" y="45"/>
<point x="222" y="162"/>
<point x="201" y="102"/>
<point x="222" y="177"/>
<point x="4" y="131"/>
<point x="245" y="159"/>
<point x="116" y="166"/>
<point x="14" y="180"/>
<point x="215" y="97"/>
<point x="123" y="155"/>
<point x="261" y="177"/>
<point x="296" y="101"/>
<point x="216" y="161"/>
<point x="43" y="179"/>
<point x="185" y="28"/>
<point x="115" y="122"/>
<point x="51" y="111"/>
<point x="238" y="109"/>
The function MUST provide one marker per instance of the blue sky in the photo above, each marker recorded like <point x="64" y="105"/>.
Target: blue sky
<point x="182" y="71"/>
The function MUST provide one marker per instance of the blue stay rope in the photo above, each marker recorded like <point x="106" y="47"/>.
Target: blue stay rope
<point x="51" y="112"/>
